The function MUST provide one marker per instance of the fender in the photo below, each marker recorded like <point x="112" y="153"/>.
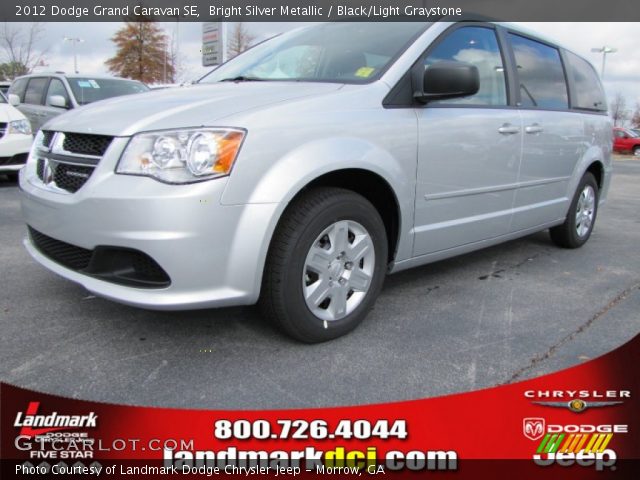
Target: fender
<point x="593" y="154"/>
<point x="299" y="167"/>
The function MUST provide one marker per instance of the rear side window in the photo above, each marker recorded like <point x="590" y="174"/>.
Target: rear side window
<point x="17" y="88"/>
<point x="540" y="72"/>
<point x="35" y="90"/>
<point x="477" y="46"/>
<point x="588" y="89"/>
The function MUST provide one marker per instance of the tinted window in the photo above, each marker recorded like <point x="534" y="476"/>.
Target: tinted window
<point x="589" y="94"/>
<point x="56" y="87"/>
<point x="542" y="82"/>
<point x="35" y="89"/>
<point x="17" y="87"/>
<point x="87" y="90"/>
<point x="478" y="46"/>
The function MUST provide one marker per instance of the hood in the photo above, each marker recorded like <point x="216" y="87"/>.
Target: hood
<point x="193" y="106"/>
<point x="9" y="113"/>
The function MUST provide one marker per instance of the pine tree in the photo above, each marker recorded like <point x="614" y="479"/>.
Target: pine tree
<point x="142" y="53"/>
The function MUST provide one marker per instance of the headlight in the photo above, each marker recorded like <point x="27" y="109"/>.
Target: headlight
<point x="20" y="126"/>
<point x="182" y="156"/>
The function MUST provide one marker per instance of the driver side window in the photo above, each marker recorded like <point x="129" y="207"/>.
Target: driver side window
<point x="477" y="46"/>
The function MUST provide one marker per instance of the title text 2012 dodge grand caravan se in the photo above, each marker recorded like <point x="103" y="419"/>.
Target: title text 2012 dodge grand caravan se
<point x="303" y="171"/>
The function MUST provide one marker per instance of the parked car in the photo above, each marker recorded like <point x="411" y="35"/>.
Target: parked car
<point x="301" y="172"/>
<point x="42" y="96"/>
<point x="626" y="140"/>
<point x="15" y="139"/>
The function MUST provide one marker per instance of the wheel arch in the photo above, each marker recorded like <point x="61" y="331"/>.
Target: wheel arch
<point x="596" y="168"/>
<point x="371" y="186"/>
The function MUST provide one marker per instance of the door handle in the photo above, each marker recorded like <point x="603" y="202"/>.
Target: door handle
<point x="508" y="129"/>
<point x="533" y="128"/>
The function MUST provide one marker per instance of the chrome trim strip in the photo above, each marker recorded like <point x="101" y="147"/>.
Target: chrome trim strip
<point x="493" y="189"/>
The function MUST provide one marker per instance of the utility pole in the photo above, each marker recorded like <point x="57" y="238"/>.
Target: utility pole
<point x="604" y="50"/>
<point x="74" y="41"/>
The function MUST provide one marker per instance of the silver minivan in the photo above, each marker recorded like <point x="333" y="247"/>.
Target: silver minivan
<point x="302" y="172"/>
<point x="42" y="96"/>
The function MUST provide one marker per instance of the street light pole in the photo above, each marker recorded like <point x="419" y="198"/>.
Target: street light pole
<point x="604" y="50"/>
<point x="74" y="41"/>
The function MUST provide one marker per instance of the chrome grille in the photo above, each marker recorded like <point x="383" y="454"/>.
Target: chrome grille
<point x="65" y="161"/>
<point x="47" y="136"/>
<point x="69" y="177"/>
<point x="83" y="144"/>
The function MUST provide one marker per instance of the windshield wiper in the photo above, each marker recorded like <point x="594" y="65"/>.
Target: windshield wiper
<point x="242" y="78"/>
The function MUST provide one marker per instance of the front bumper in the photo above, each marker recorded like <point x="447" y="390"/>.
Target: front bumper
<point x="212" y="253"/>
<point x="13" y="151"/>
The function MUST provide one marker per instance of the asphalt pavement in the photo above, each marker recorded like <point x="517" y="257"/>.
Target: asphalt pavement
<point x="514" y="311"/>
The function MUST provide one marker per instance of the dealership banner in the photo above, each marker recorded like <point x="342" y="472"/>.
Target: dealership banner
<point x="580" y="423"/>
<point x="317" y="10"/>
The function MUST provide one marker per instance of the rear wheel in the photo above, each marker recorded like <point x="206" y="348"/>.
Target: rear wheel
<point x="636" y="150"/>
<point x="577" y="228"/>
<point x="326" y="265"/>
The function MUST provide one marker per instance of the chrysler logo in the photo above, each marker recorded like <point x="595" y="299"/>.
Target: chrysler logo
<point x="533" y="428"/>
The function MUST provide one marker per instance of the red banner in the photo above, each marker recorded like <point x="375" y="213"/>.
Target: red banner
<point x="578" y="423"/>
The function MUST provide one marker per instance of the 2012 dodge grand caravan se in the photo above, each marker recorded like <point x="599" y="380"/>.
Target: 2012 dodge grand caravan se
<point x="301" y="172"/>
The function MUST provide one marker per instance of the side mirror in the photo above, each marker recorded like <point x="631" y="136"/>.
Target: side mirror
<point x="14" y="99"/>
<point x="58" y="101"/>
<point x="448" y="79"/>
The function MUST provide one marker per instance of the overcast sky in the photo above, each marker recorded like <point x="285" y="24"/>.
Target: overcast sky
<point x="622" y="70"/>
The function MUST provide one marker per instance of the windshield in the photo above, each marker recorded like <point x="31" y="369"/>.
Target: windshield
<point x="328" y="52"/>
<point x="633" y="133"/>
<point x="87" y="90"/>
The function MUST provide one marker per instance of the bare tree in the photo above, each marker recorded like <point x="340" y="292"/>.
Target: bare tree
<point x="177" y="65"/>
<point x="618" y="110"/>
<point x="19" y="45"/>
<point x="635" y="118"/>
<point x="239" y="40"/>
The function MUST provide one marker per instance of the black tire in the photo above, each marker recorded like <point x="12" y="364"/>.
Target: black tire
<point x="282" y="297"/>
<point x="636" y="150"/>
<point x="566" y="235"/>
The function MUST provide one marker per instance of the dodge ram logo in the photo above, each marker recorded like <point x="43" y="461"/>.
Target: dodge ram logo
<point x="533" y="428"/>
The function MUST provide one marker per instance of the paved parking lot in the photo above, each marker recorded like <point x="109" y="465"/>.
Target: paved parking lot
<point x="507" y="313"/>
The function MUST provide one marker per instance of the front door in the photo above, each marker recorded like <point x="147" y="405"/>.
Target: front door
<point x="469" y="151"/>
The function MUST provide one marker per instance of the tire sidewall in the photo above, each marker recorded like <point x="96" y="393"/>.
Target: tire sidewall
<point x="587" y="179"/>
<point x="356" y="209"/>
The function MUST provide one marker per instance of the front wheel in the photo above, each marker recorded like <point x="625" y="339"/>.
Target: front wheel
<point x="326" y="265"/>
<point x="636" y="150"/>
<point x="577" y="228"/>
